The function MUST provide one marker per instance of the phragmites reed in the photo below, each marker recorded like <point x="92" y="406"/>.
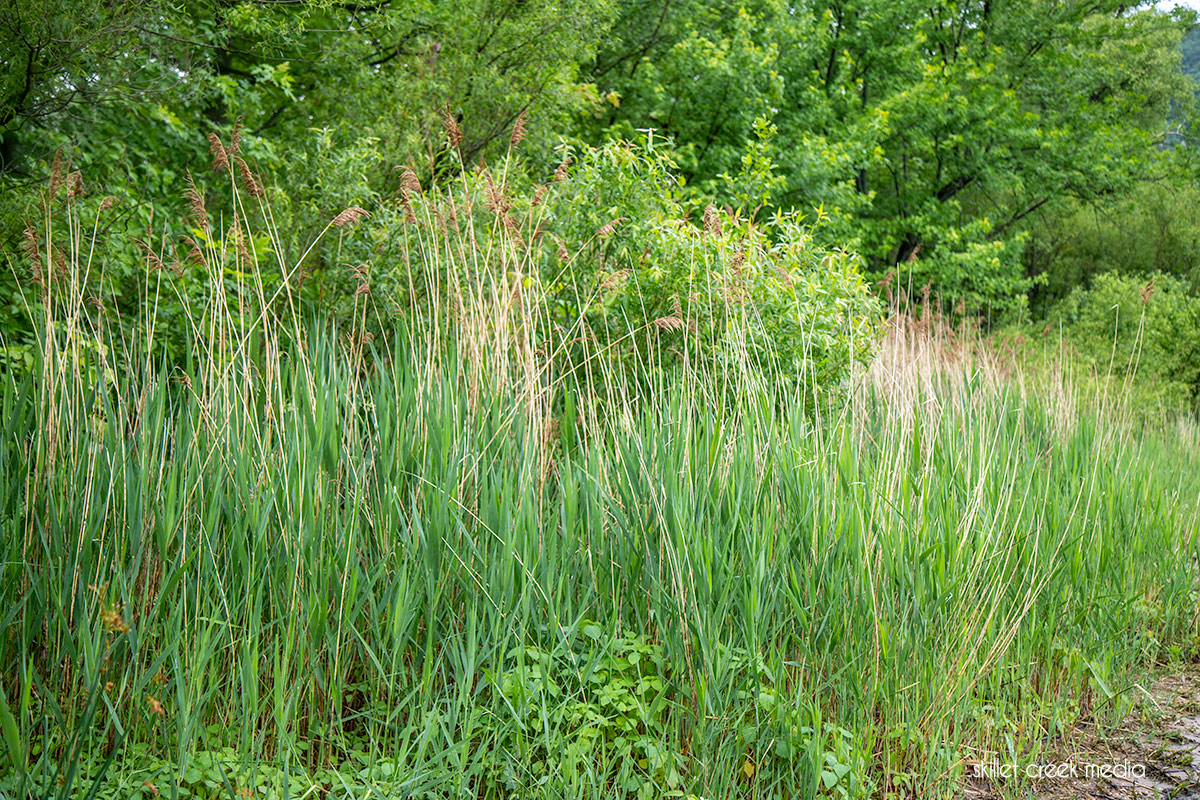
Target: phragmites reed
<point x="253" y="187"/>
<point x="362" y="272"/>
<point x="350" y="216"/>
<point x="32" y="246"/>
<point x="107" y="203"/>
<point x="739" y="259"/>
<point x="519" y="129"/>
<point x="561" y="252"/>
<point x="220" y="156"/>
<point x="712" y="221"/>
<point x="195" y="200"/>
<point x="513" y="229"/>
<point x="235" y="141"/>
<point x="195" y="252"/>
<point x="74" y="184"/>
<point x="453" y="132"/>
<point x="614" y="280"/>
<point x="153" y="261"/>
<point x="673" y="321"/>
<point x="56" y="177"/>
<point x="610" y="228"/>
<point x="497" y="203"/>
<point x="539" y="195"/>
<point x="409" y="181"/>
<point x="410" y="185"/>
<point x="1147" y="292"/>
<point x="33" y="251"/>
<point x="560" y="174"/>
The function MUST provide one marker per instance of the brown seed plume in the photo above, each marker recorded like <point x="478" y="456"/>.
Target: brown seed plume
<point x="350" y="216"/>
<point x="195" y="200"/>
<point x="32" y="246"/>
<point x="610" y="228"/>
<point x="195" y="251"/>
<point x="712" y="221"/>
<point x="235" y="141"/>
<point x="1147" y="292"/>
<point x="614" y="280"/>
<point x="453" y="132"/>
<point x="497" y="203"/>
<point x="672" y="321"/>
<point x="152" y="259"/>
<point x="253" y="187"/>
<point x="560" y="174"/>
<point x="519" y="130"/>
<point x="74" y="184"/>
<point x="56" y="177"/>
<point x="220" y="156"/>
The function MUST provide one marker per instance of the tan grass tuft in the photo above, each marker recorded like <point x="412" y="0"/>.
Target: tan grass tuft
<point x="362" y="272"/>
<point x="57" y="166"/>
<point x="614" y="280"/>
<point x="350" y="216"/>
<point x="235" y="141"/>
<point x="220" y="156"/>
<point x="453" y="132"/>
<point x="239" y="241"/>
<point x="253" y="187"/>
<point x="32" y="246"/>
<point x="195" y="251"/>
<point x="519" y="130"/>
<point x="513" y="230"/>
<point x="1147" y="292"/>
<point x="497" y="203"/>
<point x="74" y="184"/>
<point x="712" y="221"/>
<point x="560" y="174"/>
<point x="153" y="260"/>
<point x="195" y="199"/>
<point x="610" y="228"/>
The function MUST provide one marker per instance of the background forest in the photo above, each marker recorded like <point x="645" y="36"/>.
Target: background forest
<point x="1025" y="163"/>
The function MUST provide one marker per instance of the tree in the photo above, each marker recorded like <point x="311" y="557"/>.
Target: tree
<point x="934" y="130"/>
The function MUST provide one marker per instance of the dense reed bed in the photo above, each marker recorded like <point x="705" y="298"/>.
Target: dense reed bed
<point x="309" y="564"/>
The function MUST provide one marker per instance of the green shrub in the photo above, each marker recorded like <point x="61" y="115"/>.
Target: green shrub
<point x="1126" y="325"/>
<point x="732" y="294"/>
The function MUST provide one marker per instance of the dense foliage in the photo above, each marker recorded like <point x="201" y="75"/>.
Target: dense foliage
<point x="582" y="398"/>
<point x="929" y="132"/>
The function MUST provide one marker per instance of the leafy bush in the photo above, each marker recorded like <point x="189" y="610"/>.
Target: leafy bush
<point x="1154" y="228"/>
<point x="732" y="294"/>
<point x="1126" y="325"/>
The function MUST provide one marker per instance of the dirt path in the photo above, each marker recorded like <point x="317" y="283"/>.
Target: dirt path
<point x="1154" y="754"/>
